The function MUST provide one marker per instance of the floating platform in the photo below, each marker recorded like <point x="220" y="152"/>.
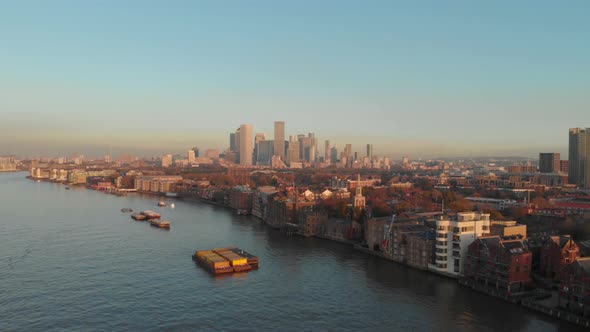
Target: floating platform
<point x="225" y="260"/>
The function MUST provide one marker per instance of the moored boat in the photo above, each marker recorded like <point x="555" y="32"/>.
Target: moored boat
<point x="160" y="224"/>
<point x="151" y="214"/>
<point x="126" y="210"/>
<point x="161" y="203"/>
<point x="138" y="216"/>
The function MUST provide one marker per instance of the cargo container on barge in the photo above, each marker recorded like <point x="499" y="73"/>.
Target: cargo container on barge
<point x="237" y="262"/>
<point x="251" y="259"/>
<point x="212" y="262"/>
<point x="224" y="260"/>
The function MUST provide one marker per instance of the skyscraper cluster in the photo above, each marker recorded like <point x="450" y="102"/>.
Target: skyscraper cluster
<point x="247" y="148"/>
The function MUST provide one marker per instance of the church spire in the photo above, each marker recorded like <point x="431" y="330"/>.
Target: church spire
<point x="359" y="199"/>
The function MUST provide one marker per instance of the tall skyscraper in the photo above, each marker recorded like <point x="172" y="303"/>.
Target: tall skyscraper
<point x="370" y="151"/>
<point x="293" y="149"/>
<point x="246" y="144"/>
<point x="237" y="136"/>
<point x="549" y="162"/>
<point x="334" y="154"/>
<point x="264" y="152"/>
<point x="327" y="151"/>
<point x="258" y="138"/>
<point x="279" y="138"/>
<point x="191" y="156"/>
<point x="348" y="151"/>
<point x="313" y="148"/>
<point x="233" y="146"/>
<point x="579" y="157"/>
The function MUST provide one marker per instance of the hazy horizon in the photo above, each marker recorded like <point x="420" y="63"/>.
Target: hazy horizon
<point x="418" y="80"/>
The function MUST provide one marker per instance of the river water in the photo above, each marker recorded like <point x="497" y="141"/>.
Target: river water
<point x="71" y="260"/>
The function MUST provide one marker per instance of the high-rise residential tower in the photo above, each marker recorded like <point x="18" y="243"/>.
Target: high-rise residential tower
<point x="327" y="151"/>
<point x="549" y="162"/>
<point x="579" y="157"/>
<point x="279" y="139"/>
<point x="246" y="139"/>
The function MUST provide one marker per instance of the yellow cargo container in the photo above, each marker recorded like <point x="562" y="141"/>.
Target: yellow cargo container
<point x="233" y="258"/>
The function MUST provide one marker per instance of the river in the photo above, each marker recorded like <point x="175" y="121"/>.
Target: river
<point x="71" y="260"/>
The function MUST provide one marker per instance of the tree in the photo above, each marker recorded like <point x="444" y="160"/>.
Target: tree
<point x="461" y="205"/>
<point x="494" y="214"/>
<point x="128" y="182"/>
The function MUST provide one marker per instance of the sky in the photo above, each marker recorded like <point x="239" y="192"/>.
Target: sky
<point x="414" y="78"/>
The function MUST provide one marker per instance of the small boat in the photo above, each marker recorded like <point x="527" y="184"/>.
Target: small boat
<point x="138" y="216"/>
<point x="172" y="205"/>
<point x="160" y="224"/>
<point x="151" y="214"/>
<point x="161" y="203"/>
<point x="67" y="188"/>
<point x="126" y="210"/>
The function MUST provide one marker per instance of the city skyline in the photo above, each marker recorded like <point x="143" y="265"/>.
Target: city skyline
<point x="184" y="70"/>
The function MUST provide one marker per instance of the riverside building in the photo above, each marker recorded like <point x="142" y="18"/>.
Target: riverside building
<point x="453" y="236"/>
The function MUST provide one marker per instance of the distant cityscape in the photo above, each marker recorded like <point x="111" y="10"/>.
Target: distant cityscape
<point x="519" y="230"/>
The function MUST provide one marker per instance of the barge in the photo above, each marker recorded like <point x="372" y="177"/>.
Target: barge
<point x="251" y="259"/>
<point x="138" y="216"/>
<point x="160" y="224"/>
<point x="225" y="260"/>
<point x="151" y="214"/>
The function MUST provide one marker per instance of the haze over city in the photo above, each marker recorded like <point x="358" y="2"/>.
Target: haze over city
<point x="424" y="79"/>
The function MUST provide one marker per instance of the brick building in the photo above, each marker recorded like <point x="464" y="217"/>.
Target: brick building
<point x="502" y="264"/>
<point x="312" y="223"/>
<point x="420" y="249"/>
<point x="574" y="292"/>
<point x="556" y="253"/>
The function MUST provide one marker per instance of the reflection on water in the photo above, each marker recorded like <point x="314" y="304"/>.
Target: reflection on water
<point x="71" y="260"/>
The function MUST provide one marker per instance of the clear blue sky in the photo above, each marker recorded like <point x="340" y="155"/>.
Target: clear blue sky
<point x="417" y="78"/>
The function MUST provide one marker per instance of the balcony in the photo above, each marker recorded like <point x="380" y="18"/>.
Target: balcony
<point x="440" y="260"/>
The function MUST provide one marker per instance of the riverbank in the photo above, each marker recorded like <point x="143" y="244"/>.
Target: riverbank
<point x="530" y="305"/>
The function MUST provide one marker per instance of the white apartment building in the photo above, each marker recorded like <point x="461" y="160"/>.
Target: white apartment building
<point x="454" y="236"/>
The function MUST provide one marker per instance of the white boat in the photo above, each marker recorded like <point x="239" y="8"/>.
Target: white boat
<point x="172" y="205"/>
<point x="161" y="203"/>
